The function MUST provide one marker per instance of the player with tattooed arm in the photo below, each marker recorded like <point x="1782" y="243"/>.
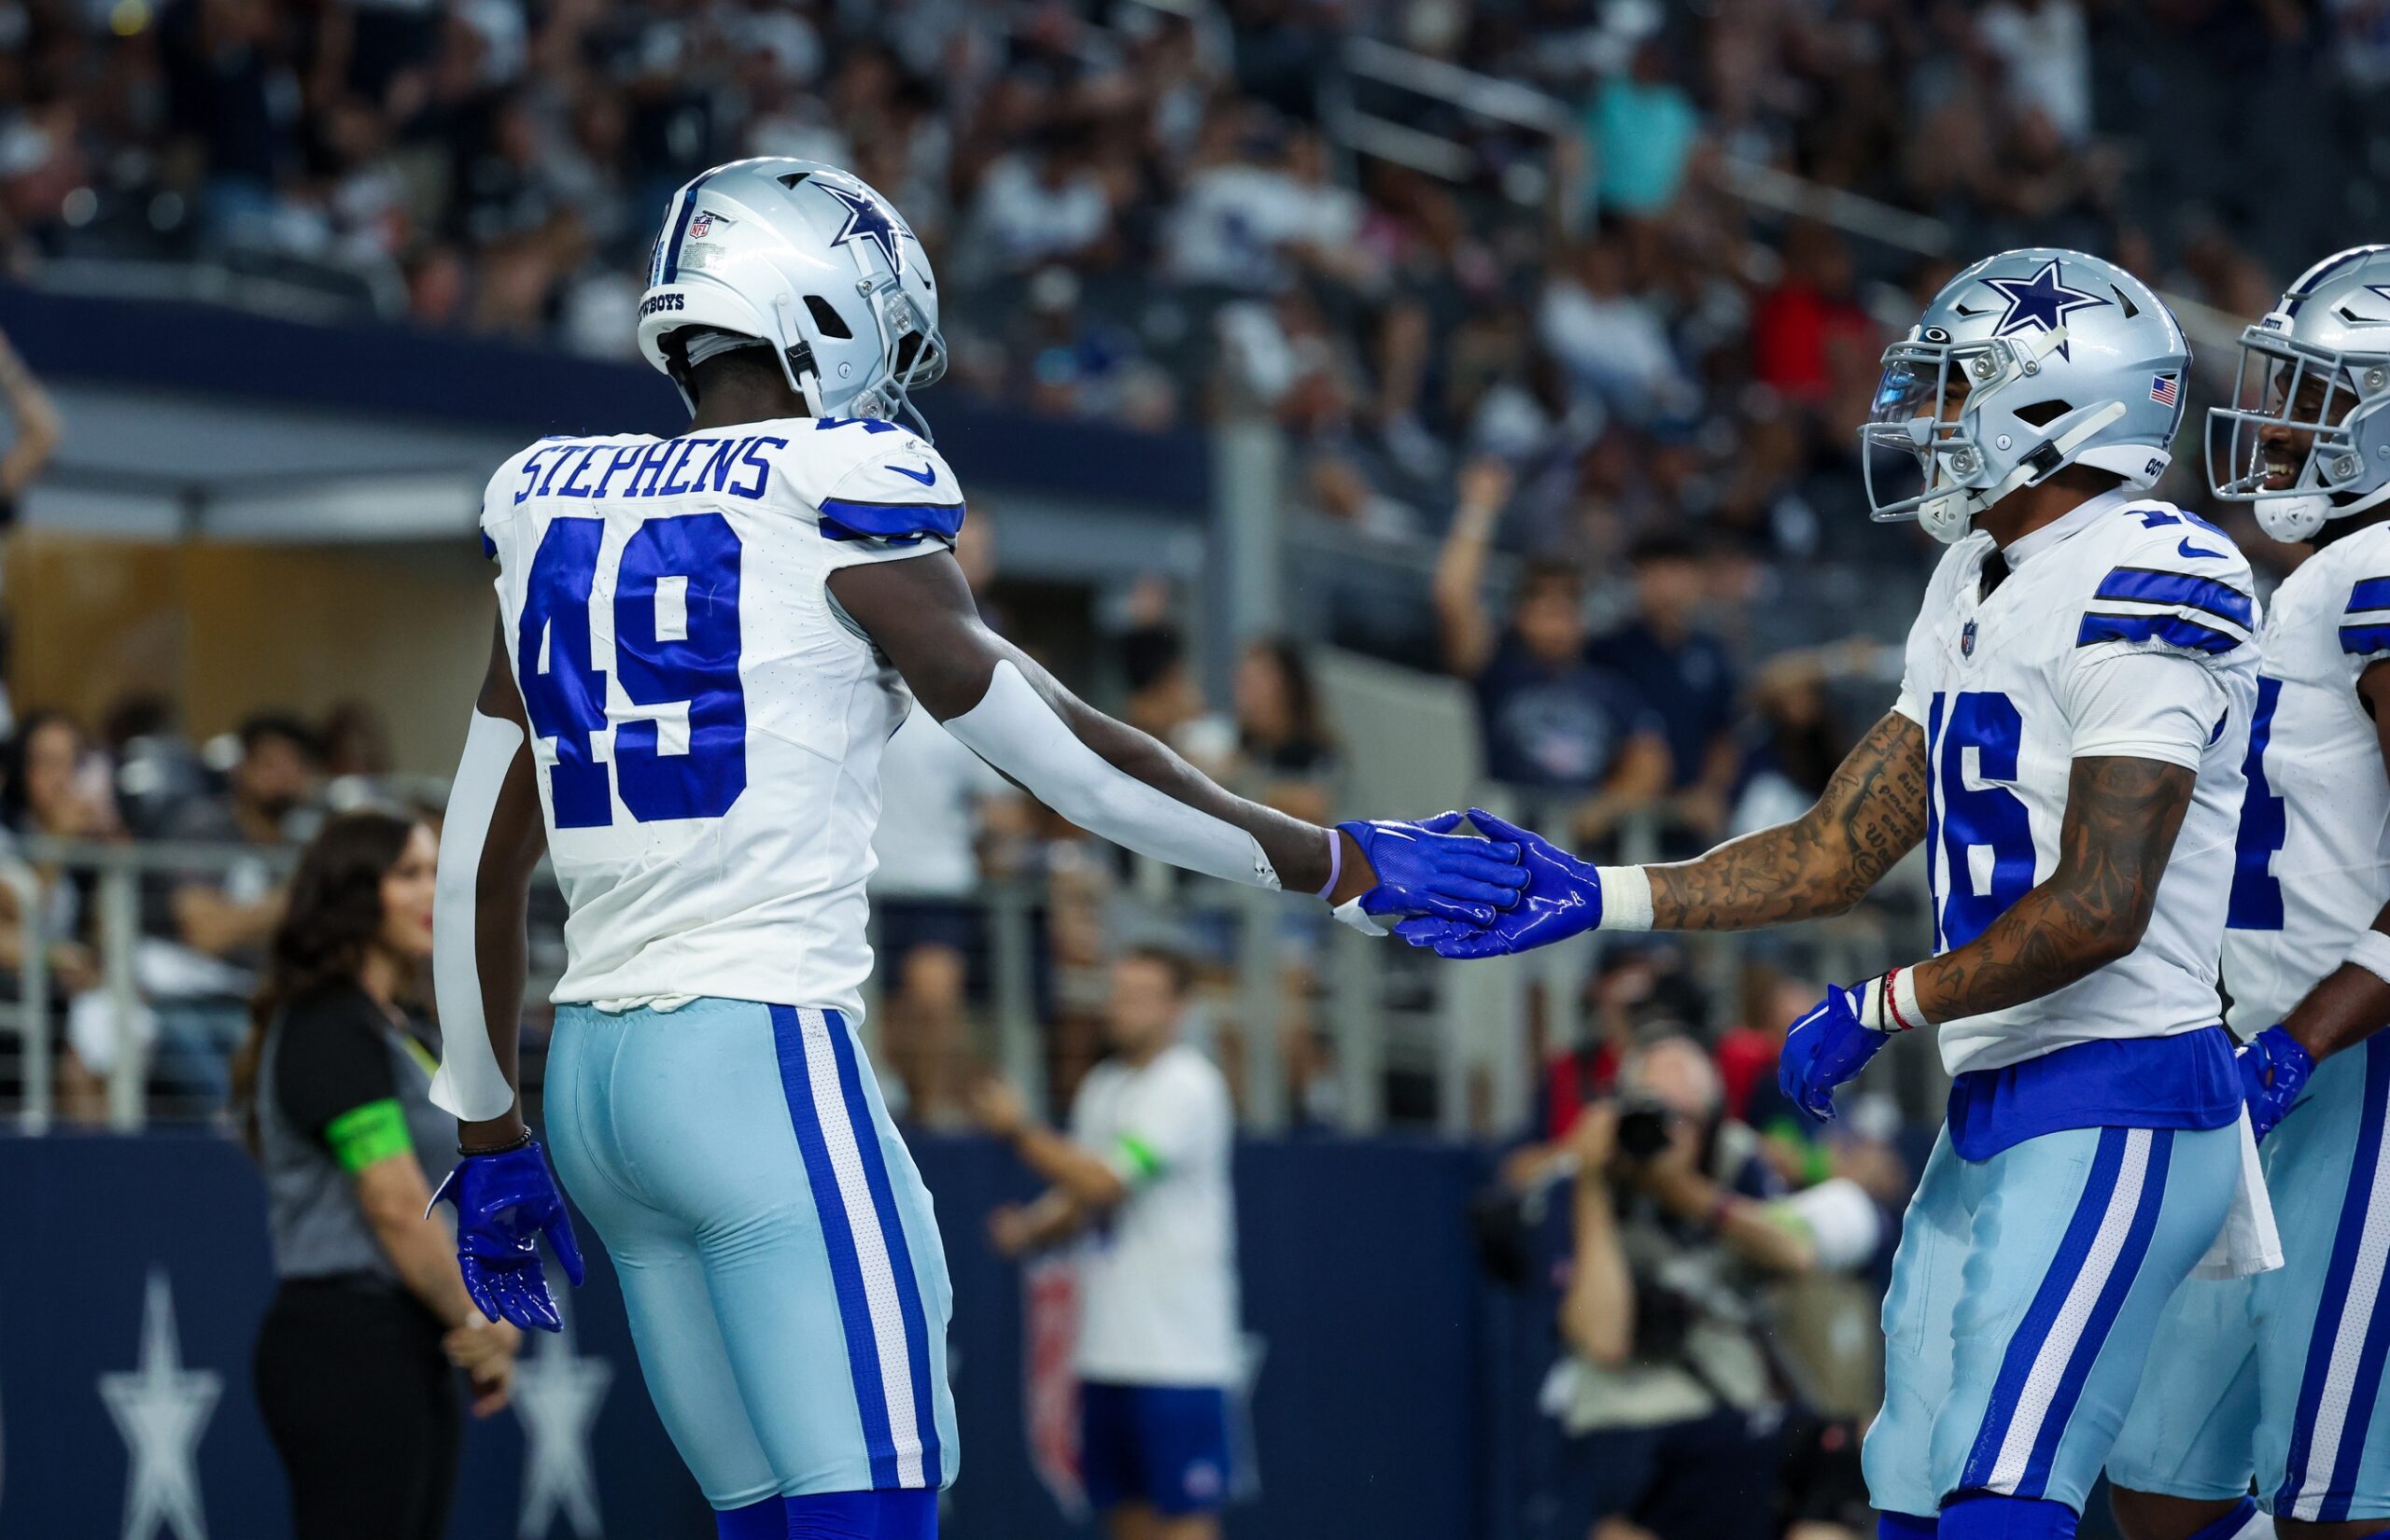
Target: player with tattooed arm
<point x="2067" y="744"/>
<point x="703" y="641"/>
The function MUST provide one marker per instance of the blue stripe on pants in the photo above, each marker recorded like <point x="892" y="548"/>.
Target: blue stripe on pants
<point x="2333" y="1466"/>
<point x="2014" y="1392"/>
<point x="892" y="1228"/>
<point x="2104" y="1315"/>
<point x="838" y="1235"/>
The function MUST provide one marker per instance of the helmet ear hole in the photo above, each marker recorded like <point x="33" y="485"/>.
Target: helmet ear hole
<point x="827" y="320"/>
<point x="2041" y="413"/>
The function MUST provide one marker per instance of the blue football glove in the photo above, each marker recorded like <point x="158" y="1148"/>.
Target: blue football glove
<point x="1826" y="1047"/>
<point x="1563" y="898"/>
<point x="2273" y="1070"/>
<point x="504" y="1203"/>
<point x="1424" y="868"/>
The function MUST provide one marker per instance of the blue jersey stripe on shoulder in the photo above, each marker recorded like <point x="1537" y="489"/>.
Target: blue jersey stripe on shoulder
<point x="845" y="520"/>
<point x="2369" y="593"/>
<point x="2150" y="585"/>
<point x="2173" y="630"/>
<point x="2363" y="640"/>
<point x="489" y="547"/>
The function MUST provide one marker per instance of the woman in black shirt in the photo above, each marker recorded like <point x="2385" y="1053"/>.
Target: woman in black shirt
<point x="355" y="1362"/>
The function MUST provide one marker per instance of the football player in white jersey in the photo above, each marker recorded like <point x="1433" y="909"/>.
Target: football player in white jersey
<point x="2067" y="745"/>
<point x="2278" y="1379"/>
<point x="703" y="641"/>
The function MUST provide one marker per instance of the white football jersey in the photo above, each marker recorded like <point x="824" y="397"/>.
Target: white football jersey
<point x="2125" y="628"/>
<point x="707" y="725"/>
<point x="2315" y="847"/>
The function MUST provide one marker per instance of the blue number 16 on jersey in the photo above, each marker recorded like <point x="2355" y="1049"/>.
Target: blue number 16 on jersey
<point x="1978" y="833"/>
<point x="676" y="640"/>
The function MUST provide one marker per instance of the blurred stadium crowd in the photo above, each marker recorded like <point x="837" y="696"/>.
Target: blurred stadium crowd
<point x="1140" y="208"/>
<point x="1588" y="383"/>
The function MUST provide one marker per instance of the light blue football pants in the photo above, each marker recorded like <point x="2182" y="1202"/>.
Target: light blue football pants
<point x="778" y="1251"/>
<point x="2279" y="1377"/>
<point x="2024" y="1295"/>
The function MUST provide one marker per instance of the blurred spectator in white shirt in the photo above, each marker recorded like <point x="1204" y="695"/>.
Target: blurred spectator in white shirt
<point x="1248" y="223"/>
<point x="210" y="926"/>
<point x="2046" y="51"/>
<point x="1608" y="337"/>
<point x="1037" y="205"/>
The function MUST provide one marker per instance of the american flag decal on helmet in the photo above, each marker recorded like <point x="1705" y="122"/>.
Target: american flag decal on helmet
<point x="2164" y="390"/>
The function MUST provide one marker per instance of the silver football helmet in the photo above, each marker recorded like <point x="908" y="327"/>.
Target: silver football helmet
<point x="2024" y="364"/>
<point x="810" y="259"/>
<point x="2306" y="438"/>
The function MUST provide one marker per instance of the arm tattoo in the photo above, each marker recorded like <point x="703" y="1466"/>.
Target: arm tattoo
<point x="2122" y="815"/>
<point x="1872" y="813"/>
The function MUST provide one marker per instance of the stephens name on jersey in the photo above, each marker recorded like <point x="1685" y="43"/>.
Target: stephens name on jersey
<point x="2124" y="628"/>
<point x="2315" y="823"/>
<point x="706" y="724"/>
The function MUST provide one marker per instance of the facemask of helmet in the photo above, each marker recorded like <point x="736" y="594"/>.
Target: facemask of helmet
<point x="2306" y="438"/>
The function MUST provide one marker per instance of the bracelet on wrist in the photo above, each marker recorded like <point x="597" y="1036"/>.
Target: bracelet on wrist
<point x="1888" y="1004"/>
<point x="521" y="1142"/>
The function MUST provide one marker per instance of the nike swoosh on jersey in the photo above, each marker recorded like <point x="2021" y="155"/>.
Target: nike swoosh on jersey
<point x="2186" y="549"/>
<point x="927" y="475"/>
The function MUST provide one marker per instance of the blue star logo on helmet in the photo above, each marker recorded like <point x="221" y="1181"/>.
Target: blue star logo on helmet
<point x="2040" y="303"/>
<point x="867" y="219"/>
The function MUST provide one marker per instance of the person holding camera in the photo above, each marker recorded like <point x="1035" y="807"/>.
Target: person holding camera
<point x="1666" y="1390"/>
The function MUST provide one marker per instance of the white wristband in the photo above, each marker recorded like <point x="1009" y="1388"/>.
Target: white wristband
<point x="2372" y="952"/>
<point x="1888" y="1004"/>
<point x="1626" y="898"/>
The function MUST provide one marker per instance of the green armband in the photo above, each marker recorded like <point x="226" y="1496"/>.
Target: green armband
<point x="1816" y="1161"/>
<point x="363" y="1135"/>
<point x="1139" y="1157"/>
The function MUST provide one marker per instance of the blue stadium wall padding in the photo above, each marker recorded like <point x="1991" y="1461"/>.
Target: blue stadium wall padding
<point x="402" y="371"/>
<point x="1371" y="1401"/>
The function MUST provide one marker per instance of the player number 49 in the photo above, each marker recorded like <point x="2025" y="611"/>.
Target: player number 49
<point x="676" y="642"/>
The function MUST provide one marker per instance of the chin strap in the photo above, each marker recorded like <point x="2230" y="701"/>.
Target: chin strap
<point x="2048" y="460"/>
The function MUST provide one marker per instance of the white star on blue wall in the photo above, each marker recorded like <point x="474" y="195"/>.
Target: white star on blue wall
<point x="161" y="1410"/>
<point x="557" y="1393"/>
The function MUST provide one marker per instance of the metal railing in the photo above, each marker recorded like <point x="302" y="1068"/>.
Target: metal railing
<point x="1408" y="1039"/>
<point x="114" y="874"/>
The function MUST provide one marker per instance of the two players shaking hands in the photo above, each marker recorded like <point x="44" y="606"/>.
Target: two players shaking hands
<point x="1505" y="889"/>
